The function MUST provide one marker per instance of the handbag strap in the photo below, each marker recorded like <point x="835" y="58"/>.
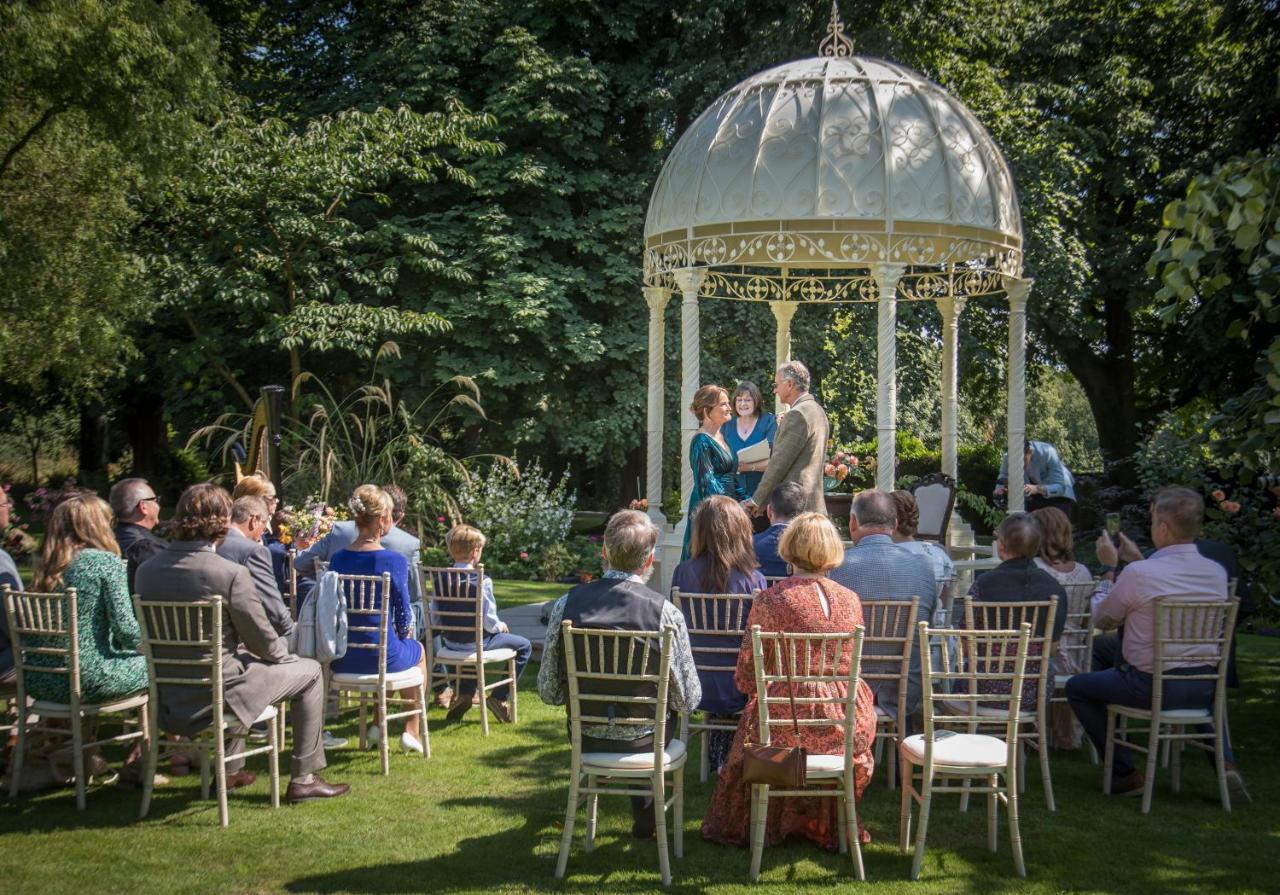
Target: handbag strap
<point x="791" y="689"/>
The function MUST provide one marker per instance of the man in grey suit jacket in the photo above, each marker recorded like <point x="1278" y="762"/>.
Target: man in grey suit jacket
<point x="258" y="670"/>
<point x="243" y="546"/>
<point x="344" y="533"/>
<point x="800" y="447"/>
<point x="876" y="568"/>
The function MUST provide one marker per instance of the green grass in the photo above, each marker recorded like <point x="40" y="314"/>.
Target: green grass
<point x="483" y="815"/>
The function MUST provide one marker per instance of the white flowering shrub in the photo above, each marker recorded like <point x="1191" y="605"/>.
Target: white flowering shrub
<point x="521" y="513"/>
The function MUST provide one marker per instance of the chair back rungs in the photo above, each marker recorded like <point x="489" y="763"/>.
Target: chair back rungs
<point x="968" y="659"/>
<point x="44" y="624"/>
<point x="456" y="604"/>
<point x="790" y="667"/>
<point x="617" y="678"/>
<point x="887" y="643"/>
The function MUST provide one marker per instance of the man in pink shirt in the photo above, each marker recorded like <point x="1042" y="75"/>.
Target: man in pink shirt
<point x="1176" y="568"/>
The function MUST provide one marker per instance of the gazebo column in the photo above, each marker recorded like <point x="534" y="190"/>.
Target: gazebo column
<point x="657" y="298"/>
<point x="950" y="308"/>
<point x="1017" y="289"/>
<point x="886" y="277"/>
<point x="783" y="311"/>
<point x="690" y="281"/>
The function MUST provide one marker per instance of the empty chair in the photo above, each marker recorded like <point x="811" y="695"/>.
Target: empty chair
<point x="622" y="678"/>
<point x="886" y="656"/>
<point x="940" y="755"/>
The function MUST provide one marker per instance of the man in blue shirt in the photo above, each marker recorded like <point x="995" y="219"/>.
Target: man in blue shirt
<point x="1047" y="481"/>
<point x="786" y="501"/>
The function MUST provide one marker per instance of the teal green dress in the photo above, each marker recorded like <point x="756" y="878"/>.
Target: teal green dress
<point x="714" y="472"/>
<point x="110" y="665"/>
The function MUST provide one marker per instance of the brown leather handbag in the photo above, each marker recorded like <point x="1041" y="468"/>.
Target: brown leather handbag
<point x="781" y="766"/>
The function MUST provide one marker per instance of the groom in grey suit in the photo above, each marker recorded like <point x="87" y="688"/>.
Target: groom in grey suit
<point x="344" y="533"/>
<point x="800" y="447"/>
<point x="257" y="668"/>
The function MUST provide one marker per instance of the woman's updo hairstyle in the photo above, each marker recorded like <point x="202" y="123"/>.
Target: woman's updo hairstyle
<point x="368" y="504"/>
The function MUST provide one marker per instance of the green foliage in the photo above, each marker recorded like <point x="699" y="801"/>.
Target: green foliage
<point x="1058" y="412"/>
<point x="99" y="102"/>
<point x="522" y="513"/>
<point x="1219" y="263"/>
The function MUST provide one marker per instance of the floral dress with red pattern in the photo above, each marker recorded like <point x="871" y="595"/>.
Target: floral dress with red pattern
<point x="793" y="606"/>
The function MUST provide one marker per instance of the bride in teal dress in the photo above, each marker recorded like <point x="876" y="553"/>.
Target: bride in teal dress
<point x="714" y="463"/>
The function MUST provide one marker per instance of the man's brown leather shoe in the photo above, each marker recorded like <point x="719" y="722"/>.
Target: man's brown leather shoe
<point x="316" y="789"/>
<point x="237" y="779"/>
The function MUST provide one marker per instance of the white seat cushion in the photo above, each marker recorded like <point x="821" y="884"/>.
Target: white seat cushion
<point x="965" y="750"/>
<point x="1189" y="715"/>
<point x="401" y="680"/>
<point x="963" y="707"/>
<point x="62" y="709"/>
<point x="823" y="766"/>
<point x="453" y="654"/>
<point x="633" y="761"/>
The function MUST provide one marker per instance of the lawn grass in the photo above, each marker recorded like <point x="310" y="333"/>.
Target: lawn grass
<point x="483" y="815"/>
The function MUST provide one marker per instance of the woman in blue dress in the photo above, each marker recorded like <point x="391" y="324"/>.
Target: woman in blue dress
<point x="371" y="510"/>
<point x="715" y="465"/>
<point x="749" y="426"/>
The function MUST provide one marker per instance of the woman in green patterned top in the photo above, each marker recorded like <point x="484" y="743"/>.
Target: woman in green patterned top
<point x="81" y="552"/>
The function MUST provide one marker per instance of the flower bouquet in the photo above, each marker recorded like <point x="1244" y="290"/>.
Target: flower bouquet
<point x="307" y="524"/>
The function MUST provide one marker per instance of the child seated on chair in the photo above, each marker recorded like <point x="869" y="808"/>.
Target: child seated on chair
<point x="466" y="544"/>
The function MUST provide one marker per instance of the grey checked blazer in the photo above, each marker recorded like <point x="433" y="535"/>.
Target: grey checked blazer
<point x="255" y="557"/>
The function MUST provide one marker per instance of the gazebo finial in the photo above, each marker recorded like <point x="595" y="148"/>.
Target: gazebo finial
<point x="836" y="44"/>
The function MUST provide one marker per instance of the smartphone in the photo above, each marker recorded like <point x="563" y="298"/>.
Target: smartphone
<point x="1113" y="524"/>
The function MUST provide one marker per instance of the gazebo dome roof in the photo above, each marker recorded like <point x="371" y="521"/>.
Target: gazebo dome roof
<point x="834" y="162"/>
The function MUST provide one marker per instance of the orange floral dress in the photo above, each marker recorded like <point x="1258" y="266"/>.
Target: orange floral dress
<point x="793" y="606"/>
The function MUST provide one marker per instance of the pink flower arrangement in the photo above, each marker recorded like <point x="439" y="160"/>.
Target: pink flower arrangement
<point x="1230" y="507"/>
<point x="1219" y="495"/>
<point x="524" y="554"/>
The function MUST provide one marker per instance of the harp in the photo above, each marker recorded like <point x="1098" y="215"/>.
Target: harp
<point x="263" y="453"/>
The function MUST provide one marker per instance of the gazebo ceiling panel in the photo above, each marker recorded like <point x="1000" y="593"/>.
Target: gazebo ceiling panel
<point x="833" y="161"/>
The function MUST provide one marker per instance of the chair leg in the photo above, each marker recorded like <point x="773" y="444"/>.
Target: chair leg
<point x="704" y="759"/>
<point x="515" y="692"/>
<point x="484" y="709"/>
<point x="593" y="807"/>
<point x="1015" y="835"/>
<point x="907" y="785"/>
<point x="274" y="758"/>
<point x="1022" y="764"/>
<point x="660" y="825"/>
<point x="891" y="770"/>
<point x="922" y="825"/>
<point x="566" y="838"/>
<point x="150" y="761"/>
<point x="20" y="750"/>
<point x="1046" y="777"/>
<point x="220" y="775"/>
<point x="759" y="819"/>
<point x="1220" y="762"/>
<point x="677" y="810"/>
<point x="1153" y="758"/>
<point x="364" y="740"/>
<point x="1175" y="772"/>
<point x="77" y="760"/>
<point x="384" y="747"/>
<point x="1109" y="752"/>
<point x="422" y="720"/>
<point x="993" y="814"/>
<point x="851" y="824"/>
<point x="842" y="824"/>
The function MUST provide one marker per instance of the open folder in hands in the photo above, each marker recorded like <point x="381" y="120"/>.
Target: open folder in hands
<point x="755" y="453"/>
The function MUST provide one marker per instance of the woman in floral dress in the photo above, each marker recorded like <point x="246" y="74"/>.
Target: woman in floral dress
<point x="81" y="552"/>
<point x="807" y="602"/>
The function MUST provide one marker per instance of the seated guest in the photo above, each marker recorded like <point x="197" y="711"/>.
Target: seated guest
<point x="721" y="562"/>
<point x="1046" y="480"/>
<point x="806" y="603"/>
<point x="280" y="557"/>
<point x="8" y="576"/>
<point x="1019" y="580"/>
<point x="80" y="551"/>
<point x="466" y="545"/>
<point x="371" y="512"/>
<point x="258" y="670"/>
<point x="904" y="535"/>
<point x="344" y="532"/>
<point x="875" y="568"/>
<point x="1176" y="567"/>
<point x="243" y="546"/>
<point x="137" y="510"/>
<point x="785" y="502"/>
<point x="620" y="601"/>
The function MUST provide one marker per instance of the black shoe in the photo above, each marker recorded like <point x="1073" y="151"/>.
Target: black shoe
<point x="460" y="706"/>
<point x="643" y="823"/>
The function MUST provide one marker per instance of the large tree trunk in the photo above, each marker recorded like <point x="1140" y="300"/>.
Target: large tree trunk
<point x="94" y="446"/>
<point x="148" y="434"/>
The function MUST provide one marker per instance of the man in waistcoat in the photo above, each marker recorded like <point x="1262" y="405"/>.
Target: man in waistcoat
<point x="620" y="601"/>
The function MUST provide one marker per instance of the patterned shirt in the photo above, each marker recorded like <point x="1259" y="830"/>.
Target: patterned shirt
<point x="684" y="692"/>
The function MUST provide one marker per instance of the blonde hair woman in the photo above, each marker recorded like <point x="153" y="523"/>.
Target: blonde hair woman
<point x="715" y="465"/>
<point x="81" y="552"/>
<point x="371" y="510"/>
<point x="807" y="602"/>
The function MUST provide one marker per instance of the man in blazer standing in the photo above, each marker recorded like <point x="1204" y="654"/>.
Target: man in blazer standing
<point x="800" y="448"/>
<point x="257" y="668"/>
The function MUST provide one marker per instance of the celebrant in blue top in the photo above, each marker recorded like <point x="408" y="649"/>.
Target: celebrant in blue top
<point x="749" y="426"/>
<point x="714" y="463"/>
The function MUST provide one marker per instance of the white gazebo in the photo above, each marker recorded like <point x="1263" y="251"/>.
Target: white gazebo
<point x="837" y="178"/>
